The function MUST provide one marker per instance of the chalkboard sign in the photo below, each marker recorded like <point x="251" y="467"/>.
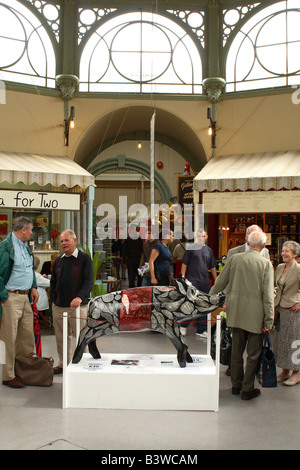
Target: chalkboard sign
<point x="185" y="190"/>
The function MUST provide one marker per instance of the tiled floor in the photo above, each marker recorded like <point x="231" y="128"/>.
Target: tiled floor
<point x="33" y="418"/>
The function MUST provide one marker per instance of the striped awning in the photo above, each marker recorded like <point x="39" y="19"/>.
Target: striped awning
<point x="259" y="171"/>
<point x="43" y="169"/>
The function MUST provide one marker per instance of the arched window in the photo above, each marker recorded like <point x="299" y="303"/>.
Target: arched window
<point x="140" y="53"/>
<point x="26" y="52"/>
<point x="265" y="52"/>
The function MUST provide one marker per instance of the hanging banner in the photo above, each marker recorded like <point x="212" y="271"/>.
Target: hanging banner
<point x="41" y="200"/>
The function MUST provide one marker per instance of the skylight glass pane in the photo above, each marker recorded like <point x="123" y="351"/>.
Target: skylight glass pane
<point x="144" y="49"/>
<point x="266" y="50"/>
<point x="26" y="52"/>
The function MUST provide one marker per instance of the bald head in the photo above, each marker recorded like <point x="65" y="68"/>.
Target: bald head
<point x="252" y="228"/>
<point x="257" y="240"/>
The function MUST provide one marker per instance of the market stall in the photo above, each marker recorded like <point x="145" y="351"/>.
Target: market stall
<point x="260" y="188"/>
<point x="54" y="191"/>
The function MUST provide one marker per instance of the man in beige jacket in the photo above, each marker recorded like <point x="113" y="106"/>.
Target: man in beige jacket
<point x="249" y="282"/>
<point x="242" y="248"/>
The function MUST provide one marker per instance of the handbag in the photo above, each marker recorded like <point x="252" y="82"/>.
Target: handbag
<point x="34" y="370"/>
<point x="225" y="343"/>
<point x="266" y="374"/>
<point x="276" y="323"/>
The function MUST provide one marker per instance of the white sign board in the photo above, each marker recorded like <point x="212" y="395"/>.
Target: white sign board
<point x="251" y="202"/>
<point x="41" y="200"/>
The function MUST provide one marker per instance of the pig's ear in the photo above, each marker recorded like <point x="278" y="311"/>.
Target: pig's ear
<point x="181" y="285"/>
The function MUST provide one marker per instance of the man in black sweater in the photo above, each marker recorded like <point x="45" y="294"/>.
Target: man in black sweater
<point x="71" y="283"/>
<point x="133" y="249"/>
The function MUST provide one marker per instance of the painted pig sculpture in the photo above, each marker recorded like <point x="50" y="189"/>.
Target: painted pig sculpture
<point x="160" y="309"/>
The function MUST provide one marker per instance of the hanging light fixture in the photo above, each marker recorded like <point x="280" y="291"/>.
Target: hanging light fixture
<point x="69" y="123"/>
<point x="212" y="129"/>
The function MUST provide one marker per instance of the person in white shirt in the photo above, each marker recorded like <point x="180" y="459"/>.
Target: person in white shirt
<point x="42" y="283"/>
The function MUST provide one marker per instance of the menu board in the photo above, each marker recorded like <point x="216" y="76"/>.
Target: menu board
<point x="185" y="190"/>
<point x="41" y="200"/>
<point x="251" y="202"/>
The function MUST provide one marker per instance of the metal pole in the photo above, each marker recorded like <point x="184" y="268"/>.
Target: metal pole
<point x="152" y="163"/>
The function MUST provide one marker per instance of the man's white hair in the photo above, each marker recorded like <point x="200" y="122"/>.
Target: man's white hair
<point x="71" y="232"/>
<point x="257" y="239"/>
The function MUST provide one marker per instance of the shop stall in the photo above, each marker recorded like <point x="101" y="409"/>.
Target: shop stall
<point x="53" y="191"/>
<point x="240" y="190"/>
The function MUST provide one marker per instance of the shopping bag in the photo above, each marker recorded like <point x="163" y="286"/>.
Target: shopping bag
<point x="35" y="370"/>
<point x="266" y="374"/>
<point x="225" y="343"/>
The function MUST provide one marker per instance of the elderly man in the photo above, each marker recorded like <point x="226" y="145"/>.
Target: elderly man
<point x="245" y="246"/>
<point x="17" y="287"/>
<point x="241" y="249"/>
<point x="71" y="283"/>
<point x="249" y="280"/>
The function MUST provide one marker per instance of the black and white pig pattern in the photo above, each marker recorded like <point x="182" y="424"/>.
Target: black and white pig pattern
<point x="162" y="309"/>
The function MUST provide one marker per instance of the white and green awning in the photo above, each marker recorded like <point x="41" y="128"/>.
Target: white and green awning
<point x="259" y="171"/>
<point x="43" y="169"/>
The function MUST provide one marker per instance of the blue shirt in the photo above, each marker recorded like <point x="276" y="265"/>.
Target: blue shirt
<point x="162" y="261"/>
<point x="21" y="277"/>
<point x="199" y="259"/>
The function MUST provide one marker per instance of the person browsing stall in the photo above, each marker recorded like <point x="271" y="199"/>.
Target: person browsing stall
<point x="159" y="262"/>
<point x="248" y="278"/>
<point x="148" y="244"/>
<point x="132" y="252"/>
<point x="42" y="284"/>
<point x="244" y="247"/>
<point x="241" y="249"/>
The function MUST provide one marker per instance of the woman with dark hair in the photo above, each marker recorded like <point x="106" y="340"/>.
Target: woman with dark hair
<point x="48" y="265"/>
<point x="159" y="262"/>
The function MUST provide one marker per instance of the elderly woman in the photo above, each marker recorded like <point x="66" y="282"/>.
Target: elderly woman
<point x="287" y="303"/>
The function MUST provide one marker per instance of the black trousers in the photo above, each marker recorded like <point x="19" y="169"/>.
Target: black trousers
<point x="132" y="268"/>
<point x="243" y="377"/>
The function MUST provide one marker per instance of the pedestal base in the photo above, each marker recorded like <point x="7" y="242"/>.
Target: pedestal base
<point x="148" y="382"/>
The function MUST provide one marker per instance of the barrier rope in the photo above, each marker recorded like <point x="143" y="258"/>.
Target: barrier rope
<point x="69" y="315"/>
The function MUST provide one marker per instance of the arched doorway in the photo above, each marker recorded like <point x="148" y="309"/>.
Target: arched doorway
<point x="121" y="161"/>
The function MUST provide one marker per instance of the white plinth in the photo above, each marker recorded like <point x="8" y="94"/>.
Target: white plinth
<point x="144" y="382"/>
<point x="154" y="382"/>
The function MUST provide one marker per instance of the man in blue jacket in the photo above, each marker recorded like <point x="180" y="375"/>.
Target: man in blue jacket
<point x="17" y="288"/>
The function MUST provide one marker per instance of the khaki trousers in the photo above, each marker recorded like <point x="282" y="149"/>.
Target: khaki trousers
<point x="57" y="313"/>
<point x="16" y="331"/>
<point x="240" y="340"/>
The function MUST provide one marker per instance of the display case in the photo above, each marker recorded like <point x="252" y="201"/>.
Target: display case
<point x="278" y="227"/>
<point x="238" y="224"/>
<point x="41" y="220"/>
